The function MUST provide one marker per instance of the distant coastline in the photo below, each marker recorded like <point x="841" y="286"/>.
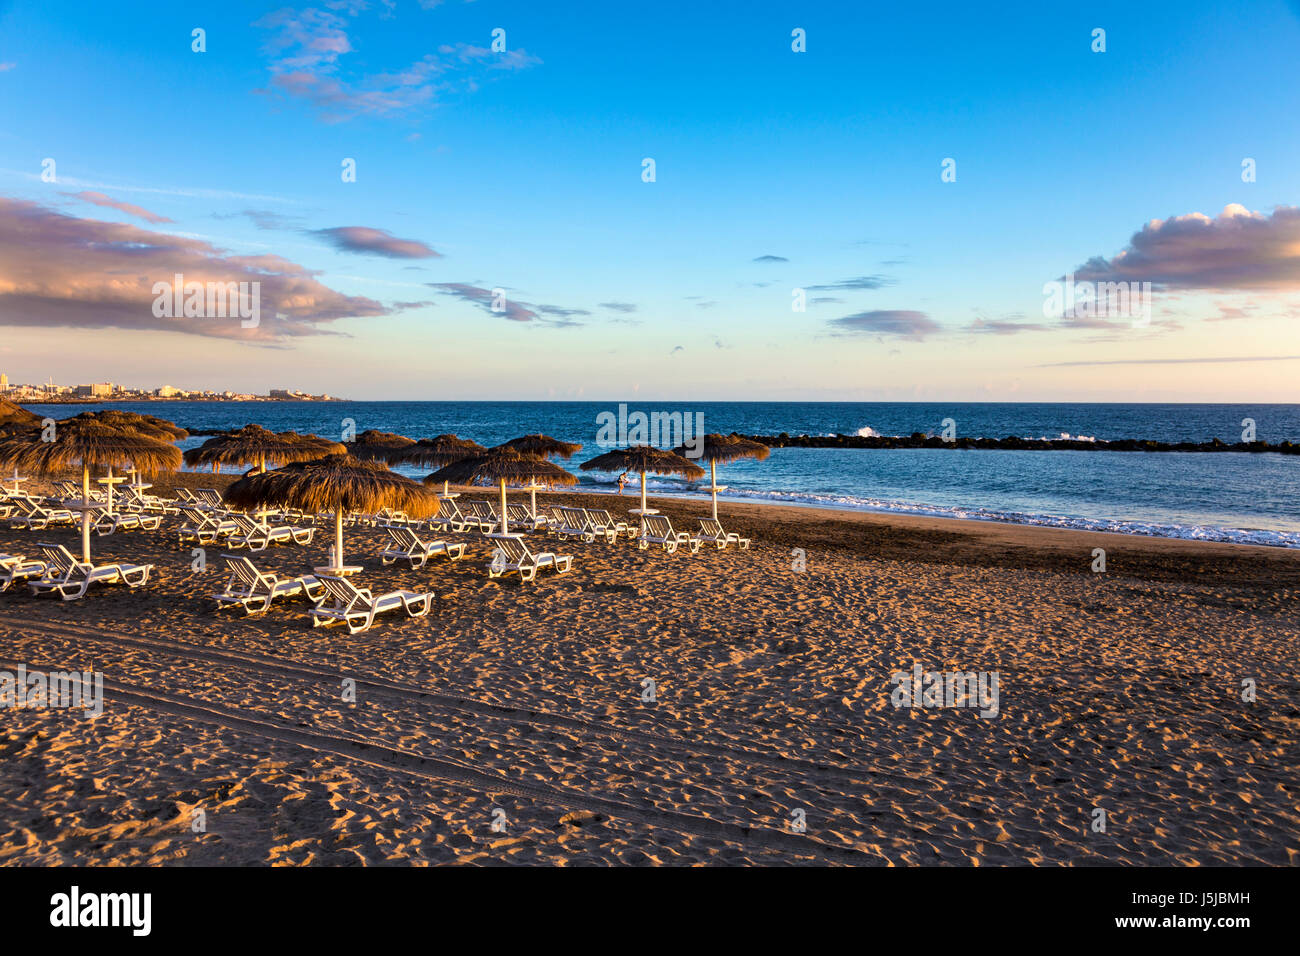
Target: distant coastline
<point x="1014" y="443"/>
<point x="127" y="399"/>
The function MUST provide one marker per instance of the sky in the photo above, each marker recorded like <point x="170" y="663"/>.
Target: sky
<point x="916" y="177"/>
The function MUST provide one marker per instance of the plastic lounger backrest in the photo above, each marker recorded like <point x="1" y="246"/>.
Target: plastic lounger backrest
<point x="344" y="592"/>
<point x="515" y="550"/>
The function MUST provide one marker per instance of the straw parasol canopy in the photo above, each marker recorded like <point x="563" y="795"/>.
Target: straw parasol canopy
<point x="437" y="453"/>
<point x="540" y="446"/>
<point x="644" y="459"/>
<point x="149" y="425"/>
<point x="337" y="483"/>
<point x="255" y="445"/>
<point x="503" y="466"/>
<point x="15" y="418"/>
<point x="90" y="444"/>
<point x="725" y="448"/>
<point x="543" y="446"/>
<point x="374" y="445"/>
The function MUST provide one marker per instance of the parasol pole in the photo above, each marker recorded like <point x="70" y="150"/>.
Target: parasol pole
<point x="85" y="512"/>
<point x="504" y="528"/>
<point x="713" y="480"/>
<point x="643" y="504"/>
<point x="338" y="539"/>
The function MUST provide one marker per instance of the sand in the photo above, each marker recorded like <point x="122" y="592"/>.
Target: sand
<point x="772" y="738"/>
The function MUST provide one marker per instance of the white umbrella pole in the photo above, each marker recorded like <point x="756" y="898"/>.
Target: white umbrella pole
<point x="85" y="514"/>
<point x="504" y="528"/>
<point x="533" y="491"/>
<point x="713" y="480"/>
<point x="110" y="489"/>
<point x="338" y="539"/>
<point x="643" y="504"/>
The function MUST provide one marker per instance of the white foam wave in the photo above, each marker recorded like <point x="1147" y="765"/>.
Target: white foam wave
<point x="1283" y="539"/>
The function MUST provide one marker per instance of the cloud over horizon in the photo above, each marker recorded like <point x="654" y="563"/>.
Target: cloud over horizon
<point x="1236" y="250"/>
<point x="58" y="270"/>
<point x="364" y="240"/>
<point x="902" y="323"/>
<point x="511" y="309"/>
<point x="305" y="49"/>
<point x="858" y="283"/>
<point x="99" y="199"/>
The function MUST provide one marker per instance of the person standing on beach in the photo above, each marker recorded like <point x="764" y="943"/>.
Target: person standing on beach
<point x="622" y="480"/>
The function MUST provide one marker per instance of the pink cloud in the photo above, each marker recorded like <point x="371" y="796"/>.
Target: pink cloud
<point x="1236" y="250"/>
<point x="58" y="270"/>
<point x="363" y="239"/>
<point x="99" y="199"/>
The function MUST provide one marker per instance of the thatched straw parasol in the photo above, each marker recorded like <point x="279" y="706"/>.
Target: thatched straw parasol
<point x="148" y="425"/>
<point x="437" y="453"/>
<point x="543" y="446"/>
<point x="90" y="444"/>
<point x="15" y="418"/>
<point x="373" y="445"/>
<point x="645" y="459"/>
<point x="255" y="445"/>
<point x="725" y="448"/>
<point x="504" y="466"/>
<point x="337" y="483"/>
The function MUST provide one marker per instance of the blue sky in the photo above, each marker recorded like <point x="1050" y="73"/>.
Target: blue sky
<point x="522" y="170"/>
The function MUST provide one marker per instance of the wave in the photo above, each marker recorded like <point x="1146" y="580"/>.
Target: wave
<point x="1283" y="539"/>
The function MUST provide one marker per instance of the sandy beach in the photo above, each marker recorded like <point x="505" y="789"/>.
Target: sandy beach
<point x="772" y="738"/>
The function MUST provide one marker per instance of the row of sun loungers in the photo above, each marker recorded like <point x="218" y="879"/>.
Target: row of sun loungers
<point x="206" y="520"/>
<point x="237" y="530"/>
<point x="62" y="574"/>
<point x="408" y="546"/>
<point x="512" y="554"/>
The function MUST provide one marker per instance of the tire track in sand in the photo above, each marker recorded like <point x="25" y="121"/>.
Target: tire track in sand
<point x="452" y="772"/>
<point x="531" y="717"/>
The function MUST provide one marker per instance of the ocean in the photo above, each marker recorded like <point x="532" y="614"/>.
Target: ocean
<point x="1236" y="497"/>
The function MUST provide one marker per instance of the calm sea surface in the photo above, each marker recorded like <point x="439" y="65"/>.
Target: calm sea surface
<point x="1224" y="496"/>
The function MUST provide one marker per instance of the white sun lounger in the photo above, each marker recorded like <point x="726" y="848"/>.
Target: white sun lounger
<point x="253" y="589"/>
<point x="408" y="546"/>
<point x="70" y="578"/>
<point x="605" y="523"/>
<point x="259" y="535"/>
<point x="16" y="567"/>
<point x="449" y="518"/>
<point x="519" y="515"/>
<point x="482" y="515"/>
<point x="28" y="513"/>
<point x="133" y="497"/>
<point x="358" y="607"/>
<point x="574" y="523"/>
<point x="711" y="530"/>
<point x="105" y="523"/>
<point x="512" y="554"/>
<point x="659" y="530"/>
<point x="204" y="527"/>
<point x="209" y="497"/>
